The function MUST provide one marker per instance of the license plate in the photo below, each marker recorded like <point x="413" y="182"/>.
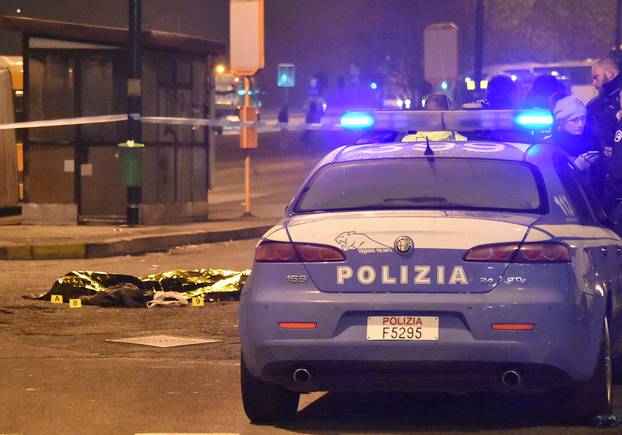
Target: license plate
<point x="415" y="328"/>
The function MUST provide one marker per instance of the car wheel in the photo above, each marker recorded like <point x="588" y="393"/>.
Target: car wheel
<point x="616" y="364"/>
<point x="265" y="402"/>
<point x="588" y="399"/>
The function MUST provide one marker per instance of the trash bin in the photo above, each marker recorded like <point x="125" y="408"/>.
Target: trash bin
<point x="131" y="163"/>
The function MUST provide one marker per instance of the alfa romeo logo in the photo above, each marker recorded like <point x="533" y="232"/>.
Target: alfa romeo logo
<point x="404" y="245"/>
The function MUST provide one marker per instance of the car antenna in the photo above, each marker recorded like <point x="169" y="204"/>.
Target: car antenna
<point x="428" y="150"/>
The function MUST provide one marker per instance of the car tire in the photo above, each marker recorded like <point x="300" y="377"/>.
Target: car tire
<point x="616" y="364"/>
<point x="582" y="402"/>
<point x="265" y="402"/>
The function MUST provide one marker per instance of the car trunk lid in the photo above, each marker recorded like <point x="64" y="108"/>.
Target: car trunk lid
<point x="372" y="243"/>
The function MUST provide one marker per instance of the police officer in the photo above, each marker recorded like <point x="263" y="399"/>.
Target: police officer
<point x="601" y="111"/>
<point x="603" y="115"/>
<point x="612" y="186"/>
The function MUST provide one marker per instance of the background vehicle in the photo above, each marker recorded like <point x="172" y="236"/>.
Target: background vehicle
<point x="229" y="95"/>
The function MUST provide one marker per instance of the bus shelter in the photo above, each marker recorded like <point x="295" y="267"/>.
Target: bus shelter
<point x="71" y="173"/>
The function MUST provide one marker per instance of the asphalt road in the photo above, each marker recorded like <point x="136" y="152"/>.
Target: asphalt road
<point x="60" y="376"/>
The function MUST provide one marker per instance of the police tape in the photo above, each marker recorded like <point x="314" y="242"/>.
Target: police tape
<point x="436" y="120"/>
<point x="328" y="124"/>
<point x="84" y="120"/>
<point x="167" y="120"/>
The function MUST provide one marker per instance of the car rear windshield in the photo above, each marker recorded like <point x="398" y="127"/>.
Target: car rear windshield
<point x="424" y="183"/>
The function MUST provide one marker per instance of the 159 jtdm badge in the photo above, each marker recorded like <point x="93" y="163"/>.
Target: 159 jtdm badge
<point x="404" y="245"/>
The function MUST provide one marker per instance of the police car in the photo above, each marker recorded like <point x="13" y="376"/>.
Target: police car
<point x="435" y="266"/>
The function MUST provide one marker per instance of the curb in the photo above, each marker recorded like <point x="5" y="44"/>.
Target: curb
<point x="125" y="246"/>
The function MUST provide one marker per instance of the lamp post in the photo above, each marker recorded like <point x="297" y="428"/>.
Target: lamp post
<point x="479" y="46"/>
<point x="134" y="105"/>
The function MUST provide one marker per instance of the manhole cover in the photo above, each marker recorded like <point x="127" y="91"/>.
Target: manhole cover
<point x="164" y="341"/>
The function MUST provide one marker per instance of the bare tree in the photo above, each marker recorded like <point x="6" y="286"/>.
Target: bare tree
<point x="547" y="30"/>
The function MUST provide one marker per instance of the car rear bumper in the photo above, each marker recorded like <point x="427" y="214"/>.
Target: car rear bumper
<point x="468" y="355"/>
<point x="454" y="376"/>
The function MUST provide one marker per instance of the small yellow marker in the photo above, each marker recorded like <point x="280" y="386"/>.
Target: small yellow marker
<point x="75" y="303"/>
<point x="198" y="301"/>
<point x="57" y="299"/>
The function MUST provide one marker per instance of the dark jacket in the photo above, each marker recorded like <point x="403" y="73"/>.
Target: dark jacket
<point x="613" y="169"/>
<point x="573" y="144"/>
<point x="601" y="112"/>
<point x="602" y="125"/>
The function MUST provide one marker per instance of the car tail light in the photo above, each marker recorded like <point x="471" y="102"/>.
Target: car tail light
<point x="283" y="252"/>
<point x="492" y="253"/>
<point x="543" y="253"/>
<point x="297" y="325"/>
<point x="277" y="252"/>
<point x="319" y="253"/>
<point x="534" y="252"/>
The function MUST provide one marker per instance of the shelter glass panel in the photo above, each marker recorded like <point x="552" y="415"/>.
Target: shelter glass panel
<point x="51" y="94"/>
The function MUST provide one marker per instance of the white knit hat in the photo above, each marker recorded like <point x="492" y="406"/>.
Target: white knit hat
<point x="568" y="108"/>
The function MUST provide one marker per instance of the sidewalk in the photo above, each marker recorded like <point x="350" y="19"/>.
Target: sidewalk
<point x="42" y="242"/>
<point x="273" y="183"/>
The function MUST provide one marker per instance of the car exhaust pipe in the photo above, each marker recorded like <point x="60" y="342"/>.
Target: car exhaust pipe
<point x="510" y="378"/>
<point x="301" y="376"/>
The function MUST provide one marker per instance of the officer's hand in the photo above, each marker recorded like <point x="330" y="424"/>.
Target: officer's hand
<point x="608" y="151"/>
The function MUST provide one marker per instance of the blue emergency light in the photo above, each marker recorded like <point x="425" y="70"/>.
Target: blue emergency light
<point x="535" y="119"/>
<point x="357" y="120"/>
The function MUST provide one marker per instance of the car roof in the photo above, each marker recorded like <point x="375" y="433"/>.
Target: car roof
<point x="449" y="149"/>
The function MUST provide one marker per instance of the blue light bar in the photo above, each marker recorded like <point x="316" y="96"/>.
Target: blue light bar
<point x="357" y="120"/>
<point x="535" y="118"/>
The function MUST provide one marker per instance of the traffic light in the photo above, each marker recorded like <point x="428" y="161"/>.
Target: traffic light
<point x="286" y="75"/>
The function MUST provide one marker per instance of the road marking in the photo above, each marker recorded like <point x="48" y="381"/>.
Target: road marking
<point x="164" y="341"/>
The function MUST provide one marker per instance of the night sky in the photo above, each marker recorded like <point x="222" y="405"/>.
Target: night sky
<point x="327" y="36"/>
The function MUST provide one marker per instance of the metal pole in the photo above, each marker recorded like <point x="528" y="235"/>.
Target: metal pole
<point x="211" y="135"/>
<point x="479" y="45"/>
<point x="247" y="157"/>
<point x="134" y="102"/>
<point x="285" y="118"/>
<point x="618" y="42"/>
